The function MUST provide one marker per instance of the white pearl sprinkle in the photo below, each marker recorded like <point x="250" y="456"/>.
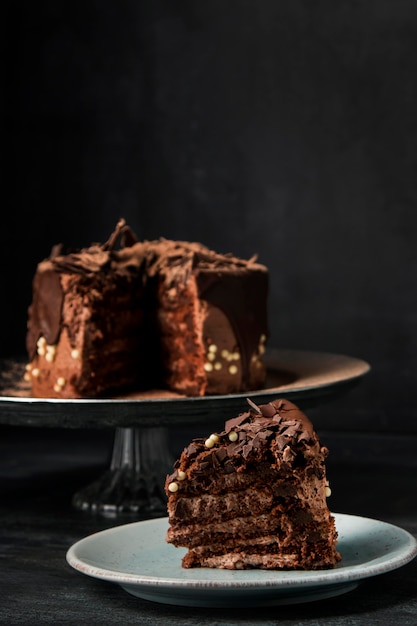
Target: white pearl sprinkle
<point x="173" y="487"/>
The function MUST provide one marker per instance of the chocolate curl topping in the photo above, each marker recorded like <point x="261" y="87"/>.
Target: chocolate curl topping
<point x="123" y="234"/>
<point x="254" y="406"/>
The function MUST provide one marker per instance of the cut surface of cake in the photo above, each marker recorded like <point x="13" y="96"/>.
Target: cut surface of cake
<point x="131" y="315"/>
<point x="254" y="495"/>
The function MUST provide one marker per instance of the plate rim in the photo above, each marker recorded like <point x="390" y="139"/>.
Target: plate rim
<point x="292" y="580"/>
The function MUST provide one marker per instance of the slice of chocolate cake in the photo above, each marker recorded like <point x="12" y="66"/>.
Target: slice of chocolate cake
<point x="254" y="495"/>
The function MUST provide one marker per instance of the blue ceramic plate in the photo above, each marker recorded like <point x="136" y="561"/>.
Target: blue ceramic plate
<point x="137" y="557"/>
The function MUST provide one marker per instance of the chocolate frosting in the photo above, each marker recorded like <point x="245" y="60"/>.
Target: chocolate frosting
<point x="44" y="319"/>
<point x="230" y="296"/>
<point x="278" y="431"/>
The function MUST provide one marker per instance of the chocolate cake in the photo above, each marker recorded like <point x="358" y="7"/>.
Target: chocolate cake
<point x="131" y="315"/>
<point x="254" y="495"/>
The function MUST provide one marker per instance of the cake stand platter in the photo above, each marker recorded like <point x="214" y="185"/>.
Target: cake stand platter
<point x="134" y="483"/>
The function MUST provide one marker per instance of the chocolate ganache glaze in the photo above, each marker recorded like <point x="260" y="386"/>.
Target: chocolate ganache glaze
<point x="248" y="322"/>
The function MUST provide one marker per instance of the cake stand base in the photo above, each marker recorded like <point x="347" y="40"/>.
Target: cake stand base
<point x="134" y="483"/>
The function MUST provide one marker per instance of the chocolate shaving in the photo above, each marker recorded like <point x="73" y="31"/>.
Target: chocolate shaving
<point x="268" y="410"/>
<point x="236" y="421"/>
<point x="285" y="439"/>
<point x="253" y="405"/>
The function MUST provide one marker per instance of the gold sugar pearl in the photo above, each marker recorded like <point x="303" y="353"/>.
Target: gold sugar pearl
<point x="27" y="377"/>
<point x="50" y="353"/>
<point x="218" y="366"/>
<point x="212" y="347"/>
<point x="261" y="347"/>
<point x="181" y="475"/>
<point x="75" y="354"/>
<point x="232" y="369"/>
<point x="35" y="372"/>
<point x="208" y="367"/>
<point x="60" y="384"/>
<point x="233" y="436"/>
<point x="173" y="487"/>
<point x="41" y="346"/>
<point x="328" y="492"/>
<point x="211" y="441"/>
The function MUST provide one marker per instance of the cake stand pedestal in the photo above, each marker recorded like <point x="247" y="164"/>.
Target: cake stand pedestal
<point x="134" y="483"/>
<point x="141" y="459"/>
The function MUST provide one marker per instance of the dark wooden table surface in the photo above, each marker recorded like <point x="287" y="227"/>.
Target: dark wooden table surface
<point x="40" y="469"/>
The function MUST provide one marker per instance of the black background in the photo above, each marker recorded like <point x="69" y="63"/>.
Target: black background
<point x="286" y="129"/>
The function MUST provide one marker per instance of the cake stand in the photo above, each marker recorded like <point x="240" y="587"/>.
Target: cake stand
<point x="133" y="485"/>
